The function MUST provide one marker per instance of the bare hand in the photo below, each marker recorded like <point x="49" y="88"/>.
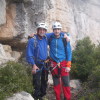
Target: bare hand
<point x="67" y="38"/>
<point x="31" y="35"/>
<point x="34" y="69"/>
<point x="67" y="69"/>
<point x="58" y="64"/>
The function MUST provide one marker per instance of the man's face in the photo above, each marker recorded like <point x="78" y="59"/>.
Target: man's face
<point x="41" y="31"/>
<point x="57" y="31"/>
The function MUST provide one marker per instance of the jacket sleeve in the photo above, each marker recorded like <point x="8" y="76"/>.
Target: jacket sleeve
<point x="68" y="54"/>
<point x="30" y="51"/>
<point x="50" y="34"/>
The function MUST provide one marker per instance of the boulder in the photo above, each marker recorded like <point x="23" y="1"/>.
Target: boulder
<point x="6" y="54"/>
<point x="21" y="96"/>
<point x="75" y="88"/>
<point x="16" y="55"/>
<point x="75" y="84"/>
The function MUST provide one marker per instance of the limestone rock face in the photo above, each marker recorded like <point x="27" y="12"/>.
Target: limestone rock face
<point x="86" y="22"/>
<point x="80" y="17"/>
<point x="2" y="12"/>
<point x="7" y="30"/>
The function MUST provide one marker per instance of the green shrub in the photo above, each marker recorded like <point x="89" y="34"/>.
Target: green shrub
<point x="83" y="59"/>
<point x="91" y="88"/>
<point x="97" y="55"/>
<point x="14" y="77"/>
<point x="91" y="96"/>
<point x="94" y="78"/>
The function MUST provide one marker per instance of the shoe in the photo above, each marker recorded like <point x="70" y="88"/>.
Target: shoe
<point x="42" y="94"/>
<point x="36" y="99"/>
<point x="44" y="98"/>
<point x="40" y="98"/>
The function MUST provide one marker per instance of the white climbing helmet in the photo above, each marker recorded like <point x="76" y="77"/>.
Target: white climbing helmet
<point x="56" y="25"/>
<point x="42" y="25"/>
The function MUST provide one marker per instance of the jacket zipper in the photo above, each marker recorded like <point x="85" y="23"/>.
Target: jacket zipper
<point x="56" y="47"/>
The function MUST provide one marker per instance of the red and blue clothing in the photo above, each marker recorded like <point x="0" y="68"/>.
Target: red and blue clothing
<point x="60" y="54"/>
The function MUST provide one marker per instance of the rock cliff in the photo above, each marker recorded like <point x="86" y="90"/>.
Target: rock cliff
<point x="18" y="18"/>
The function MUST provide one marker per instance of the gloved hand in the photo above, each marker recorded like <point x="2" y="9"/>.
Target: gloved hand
<point x="67" y="69"/>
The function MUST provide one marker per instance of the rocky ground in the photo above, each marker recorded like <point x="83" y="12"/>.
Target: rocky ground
<point x="50" y="93"/>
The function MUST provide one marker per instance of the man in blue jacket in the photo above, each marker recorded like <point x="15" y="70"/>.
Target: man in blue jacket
<point x="36" y="54"/>
<point x="60" y="54"/>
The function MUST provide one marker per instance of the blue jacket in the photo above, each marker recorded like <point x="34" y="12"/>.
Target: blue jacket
<point x="57" y="50"/>
<point x="36" y="50"/>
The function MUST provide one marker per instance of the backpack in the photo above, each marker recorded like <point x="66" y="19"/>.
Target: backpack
<point x="35" y="41"/>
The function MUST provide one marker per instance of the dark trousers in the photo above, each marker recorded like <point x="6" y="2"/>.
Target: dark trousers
<point x="40" y="82"/>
